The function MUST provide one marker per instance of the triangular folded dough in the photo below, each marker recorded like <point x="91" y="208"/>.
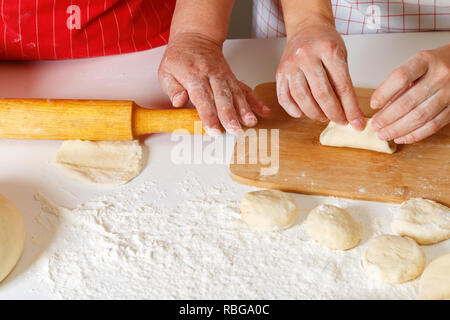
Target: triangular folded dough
<point x="346" y="136"/>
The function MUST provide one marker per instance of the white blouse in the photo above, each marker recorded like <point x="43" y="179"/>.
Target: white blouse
<point x="362" y="16"/>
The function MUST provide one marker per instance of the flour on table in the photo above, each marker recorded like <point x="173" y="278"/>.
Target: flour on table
<point x="123" y="246"/>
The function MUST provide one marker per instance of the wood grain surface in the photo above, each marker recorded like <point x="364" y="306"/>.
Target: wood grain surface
<point x="305" y="166"/>
<point x="56" y="119"/>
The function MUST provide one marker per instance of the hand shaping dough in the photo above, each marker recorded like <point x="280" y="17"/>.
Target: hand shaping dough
<point x="423" y="220"/>
<point x="108" y="163"/>
<point x="268" y="209"/>
<point x="394" y="259"/>
<point x="345" y="136"/>
<point x="435" y="280"/>
<point x="333" y="227"/>
<point x="12" y="236"/>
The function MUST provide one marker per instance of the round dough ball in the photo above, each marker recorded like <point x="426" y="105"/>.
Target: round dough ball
<point x="333" y="227"/>
<point x="394" y="259"/>
<point x="12" y="236"/>
<point x="423" y="220"/>
<point x="268" y="209"/>
<point x="435" y="280"/>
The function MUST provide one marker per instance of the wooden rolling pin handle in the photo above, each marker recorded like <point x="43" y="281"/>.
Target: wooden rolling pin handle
<point x="89" y="120"/>
<point x="147" y="121"/>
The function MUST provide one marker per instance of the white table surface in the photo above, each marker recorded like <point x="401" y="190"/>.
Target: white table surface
<point x="27" y="166"/>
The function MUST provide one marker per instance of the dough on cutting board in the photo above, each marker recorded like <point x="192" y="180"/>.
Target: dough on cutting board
<point x="337" y="135"/>
<point x="435" y="280"/>
<point x="108" y="163"/>
<point x="12" y="236"/>
<point x="333" y="227"/>
<point x="268" y="209"/>
<point x="423" y="220"/>
<point x="394" y="259"/>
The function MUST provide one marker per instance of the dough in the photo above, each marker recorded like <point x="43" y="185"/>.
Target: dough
<point x="423" y="220"/>
<point x="102" y="162"/>
<point x="345" y="136"/>
<point x="333" y="227"/>
<point x="12" y="236"/>
<point x="394" y="259"/>
<point x="435" y="280"/>
<point x="268" y="209"/>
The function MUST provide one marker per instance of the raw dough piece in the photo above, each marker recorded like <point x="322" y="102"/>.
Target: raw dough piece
<point x="394" y="259"/>
<point x="12" y="236"/>
<point x="268" y="209"/>
<point x="423" y="220"/>
<point x="345" y="136"/>
<point x="101" y="162"/>
<point x="333" y="227"/>
<point x="435" y="280"/>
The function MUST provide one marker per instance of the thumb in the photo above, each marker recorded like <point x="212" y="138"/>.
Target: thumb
<point x="176" y="92"/>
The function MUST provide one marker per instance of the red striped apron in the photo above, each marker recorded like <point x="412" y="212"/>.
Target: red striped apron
<point x="65" y="29"/>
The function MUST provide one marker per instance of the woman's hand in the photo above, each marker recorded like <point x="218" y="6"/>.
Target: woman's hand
<point x="313" y="77"/>
<point x="414" y="99"/>
<point x="193" y="67"/>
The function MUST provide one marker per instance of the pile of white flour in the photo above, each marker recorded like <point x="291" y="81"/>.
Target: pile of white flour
<point x="123" y="246"/>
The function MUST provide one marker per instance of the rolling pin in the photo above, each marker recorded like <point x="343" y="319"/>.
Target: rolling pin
<point x="88" y="119"/>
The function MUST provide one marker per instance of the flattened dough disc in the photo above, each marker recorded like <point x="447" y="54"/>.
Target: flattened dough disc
<point x="435" y="280"/>
<point x="107" y="163"/>
<point x="12" y="236"/>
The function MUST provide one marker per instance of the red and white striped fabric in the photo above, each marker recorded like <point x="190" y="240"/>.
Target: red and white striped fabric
<point x="359" y="16"/>
<point x="64" y="29"/>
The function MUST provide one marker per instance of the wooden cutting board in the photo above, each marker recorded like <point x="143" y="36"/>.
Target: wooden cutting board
<point x="305" y="166"/>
